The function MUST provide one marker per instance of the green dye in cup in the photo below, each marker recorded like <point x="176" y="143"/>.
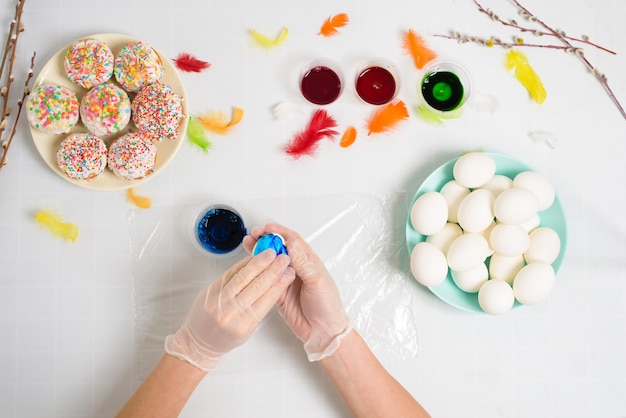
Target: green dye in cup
<point x="443" y="90"/>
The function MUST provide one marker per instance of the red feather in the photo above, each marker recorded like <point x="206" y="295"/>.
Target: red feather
<point x="189" y="63"/>
<point x="307" y="141"/>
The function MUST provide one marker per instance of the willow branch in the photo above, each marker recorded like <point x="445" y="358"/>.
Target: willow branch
<point x="490" y="42"/>
<point x="20" y="104"/>
<point x="512" y="23"/>
<point x="15" y="24"/>
<point x="579" y="53"/>
<point x="8" y="61"/>
<point x="567" y="43"/>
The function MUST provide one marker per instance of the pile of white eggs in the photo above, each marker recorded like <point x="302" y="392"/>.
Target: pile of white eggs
<point x="484" y="228"/>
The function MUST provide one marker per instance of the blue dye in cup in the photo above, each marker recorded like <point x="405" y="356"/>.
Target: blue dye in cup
<point x="220" y="230"/>
<point x="273" y="241"/>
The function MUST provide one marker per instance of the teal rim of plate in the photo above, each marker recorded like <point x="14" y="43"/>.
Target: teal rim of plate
<point x="553" y="217"/>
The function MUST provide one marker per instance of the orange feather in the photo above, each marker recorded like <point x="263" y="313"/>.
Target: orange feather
<point x="139" y="201"/>
<point x="348" y="138"/>
<point x="329" y="28"/>
<point x="387" y="117"/>
<point x="417" y="48"/>
<point x="218" y="122"/>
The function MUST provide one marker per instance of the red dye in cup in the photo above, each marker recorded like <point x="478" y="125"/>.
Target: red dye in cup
<point x="321" y="85"/>
<point x="376" y="85"/>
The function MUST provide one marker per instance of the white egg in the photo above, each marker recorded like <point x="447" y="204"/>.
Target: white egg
<point x="509" y="240"/>
<point x="515" y="206"/>
<point x="428" y="264"/>
<point x="533" y="283"/>
<point x="502" y="267"/>
<point x="539" y="185"/>
<point x="470" y="281"/>
<point x="444" y="238"/>
<point x="497" y="184"/>
<point x="467" y="252"/>
<point x="496" y="297"/>
<point x="532" y="223"/>
<point x="476" y="211"/>
<point x="454" y="193"/>
<point x="429" y="213"/>
<point x="486" y="233"/>
<point x="544" y="245"/>
<point x="474" y="169"/>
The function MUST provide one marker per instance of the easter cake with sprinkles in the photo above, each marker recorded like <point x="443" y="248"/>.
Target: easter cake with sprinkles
<point x="52" y="109"/>
<point x="89" y="62"/>
<point x="132" y="156"/>
<point x="157" y="111"/>
<point x="105" y="109"/>
<point x="137" y="65"/>
<point x="82" y="156"/>
<point x="81" y="90"/>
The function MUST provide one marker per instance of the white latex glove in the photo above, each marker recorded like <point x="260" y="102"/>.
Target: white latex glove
<point x="311" y="306"/>
<point x="226" y="313"/>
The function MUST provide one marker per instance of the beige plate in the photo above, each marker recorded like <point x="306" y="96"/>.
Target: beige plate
<point x="54" y="73"/>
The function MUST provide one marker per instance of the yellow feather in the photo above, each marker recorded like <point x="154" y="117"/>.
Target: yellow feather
<point x="526" y="75"/>
<point x="54" y="223"/>
<point x="218" y="122"/>
<point x="267" y="42"/>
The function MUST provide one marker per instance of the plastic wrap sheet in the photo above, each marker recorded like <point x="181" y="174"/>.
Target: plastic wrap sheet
<point x="359" y="236"/>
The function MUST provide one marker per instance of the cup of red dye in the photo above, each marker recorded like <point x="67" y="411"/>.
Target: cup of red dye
<point x="377" y="82"/>
<point x="321" y="82"/>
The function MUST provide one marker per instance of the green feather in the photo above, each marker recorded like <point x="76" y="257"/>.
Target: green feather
<point x="197" y="135"/>
<point x="436" y="118"/>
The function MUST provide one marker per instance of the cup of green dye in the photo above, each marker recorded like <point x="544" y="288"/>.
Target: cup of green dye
<point x="444" y="86"/>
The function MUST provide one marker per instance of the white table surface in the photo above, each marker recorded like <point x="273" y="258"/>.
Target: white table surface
<point x="68" y="344"/>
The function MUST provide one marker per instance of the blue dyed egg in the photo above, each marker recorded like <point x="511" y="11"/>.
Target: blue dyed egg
<point x="273" y="241"/>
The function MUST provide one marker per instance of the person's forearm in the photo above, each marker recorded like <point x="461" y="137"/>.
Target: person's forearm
<point x="364" y="384"/>
<point x="166" y="390"/>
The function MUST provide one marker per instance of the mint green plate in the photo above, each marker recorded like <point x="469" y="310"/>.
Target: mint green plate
<point x="553" y="217"/>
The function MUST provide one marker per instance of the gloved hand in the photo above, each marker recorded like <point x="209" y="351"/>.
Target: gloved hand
<point x="226" y="313"/>
<point x="311" y="306"/>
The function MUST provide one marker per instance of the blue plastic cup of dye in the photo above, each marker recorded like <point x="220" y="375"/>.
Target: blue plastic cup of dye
<point x="217" y="230"/>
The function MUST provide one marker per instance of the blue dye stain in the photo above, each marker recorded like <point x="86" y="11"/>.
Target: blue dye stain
<point x="273" y="241"/>
<point x="220" y="231"/>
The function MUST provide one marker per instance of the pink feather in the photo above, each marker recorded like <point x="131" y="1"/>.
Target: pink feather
<point x="307" y="141"/>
